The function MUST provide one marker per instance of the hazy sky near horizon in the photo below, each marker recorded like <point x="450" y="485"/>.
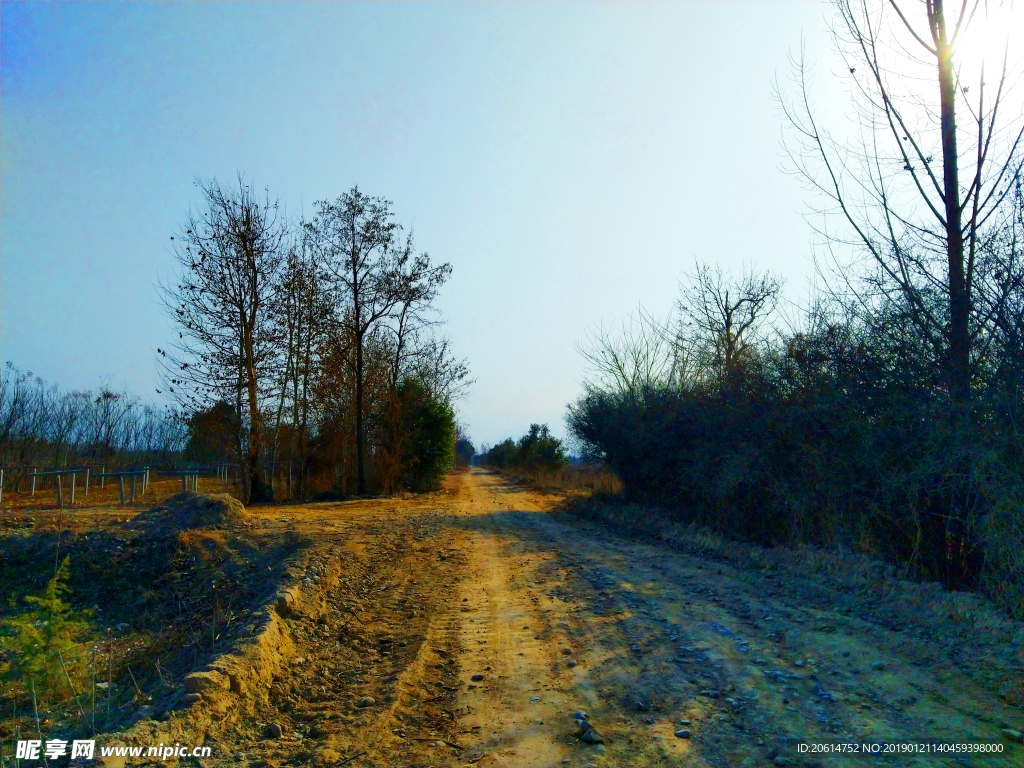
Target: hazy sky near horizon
<point x="569" y="159"/>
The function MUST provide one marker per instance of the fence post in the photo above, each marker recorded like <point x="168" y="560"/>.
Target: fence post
<point x="1" y="484"/>
<point x="60" y="493"/>
<point x="103" y="475"/>
<point x="74" y="476"/>
<point x="87" y="470"/>
<point x="120" y="488"/>
<point x="33" y="481"/>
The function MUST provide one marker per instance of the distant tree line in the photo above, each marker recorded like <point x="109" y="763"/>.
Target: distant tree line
<point x="42" y="426"/>
<point x="535" y="453"/>
<point x="310" y="351"/>
<point x="886" y="416"/>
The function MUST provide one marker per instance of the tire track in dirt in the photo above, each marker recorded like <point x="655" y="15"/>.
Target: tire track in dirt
<point x="508" y="642"/>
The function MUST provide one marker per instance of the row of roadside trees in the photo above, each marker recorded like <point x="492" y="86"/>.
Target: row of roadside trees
<point x="311" y="351"/>
<point x="535" y="454"/>
<point x="42" y="426"/>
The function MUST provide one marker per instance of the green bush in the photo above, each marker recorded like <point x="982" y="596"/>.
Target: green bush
<point x="427" y="424"/>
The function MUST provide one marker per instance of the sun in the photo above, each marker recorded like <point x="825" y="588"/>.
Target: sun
<point x="993" y="31"/>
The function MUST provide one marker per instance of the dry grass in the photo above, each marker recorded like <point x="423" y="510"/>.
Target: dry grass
<point x="582" y="478"/>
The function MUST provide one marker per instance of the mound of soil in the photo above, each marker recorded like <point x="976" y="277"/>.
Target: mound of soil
<point x="187" y="510"/>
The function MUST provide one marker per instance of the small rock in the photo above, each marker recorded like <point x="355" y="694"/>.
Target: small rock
<point x="683" y="721"/>
<point x="366" y="701"/>
<point x="566" y="761"/>
<point x="780" y="760"/>
<point x="682" y="734"/>
<point x="650" y="719"/>
<point x="592" y="737"/>
<point x="583" y="725"/>
<point x="275" y="730"/>
<point x="580" y="716"/>
<point x="798" y="663"/>
<point x="534" y="699"/>
<point x="846" y="653"/>
<point x="878" y="665"/>
<point x="600" y="749"/>
<point x="567" y="650"/>
<point x="1010" y="733"/>
<point x="570" y="663"/>
<point x="477" y="678"/>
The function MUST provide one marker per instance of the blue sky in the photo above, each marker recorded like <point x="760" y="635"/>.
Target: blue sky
<point x="569" y="159"/>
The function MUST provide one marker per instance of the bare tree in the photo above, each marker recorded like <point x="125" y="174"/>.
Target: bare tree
<point x="417" y="283"/>
<point x="304" y="317"/>
<point x="444" y="375"/>
<point x="723" y="315"/>
<point x="641" y="354"/>
<point x="926" y="181"/>
<point x="354" y="236"/>
<point x="230" y="255"/>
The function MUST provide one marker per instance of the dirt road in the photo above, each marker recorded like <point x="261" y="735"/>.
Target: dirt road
<point x="467" y="628"/>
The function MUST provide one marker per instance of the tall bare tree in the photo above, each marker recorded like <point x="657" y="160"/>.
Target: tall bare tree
<point x="930" y="170"/>
<point x="229" y="254"/>
<point x="355" y="236"/>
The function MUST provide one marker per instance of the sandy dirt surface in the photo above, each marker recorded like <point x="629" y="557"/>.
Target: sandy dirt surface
<point x="467" y="627"/>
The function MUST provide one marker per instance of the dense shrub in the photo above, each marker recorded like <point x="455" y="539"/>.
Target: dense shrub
<point x="427" y="427"/>
<point x="840" y="436"/>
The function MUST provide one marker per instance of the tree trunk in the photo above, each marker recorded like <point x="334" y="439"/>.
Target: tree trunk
<point x="959" y="302"/>
<point x="257" y="488"/>
<point x="360" y="470"/>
